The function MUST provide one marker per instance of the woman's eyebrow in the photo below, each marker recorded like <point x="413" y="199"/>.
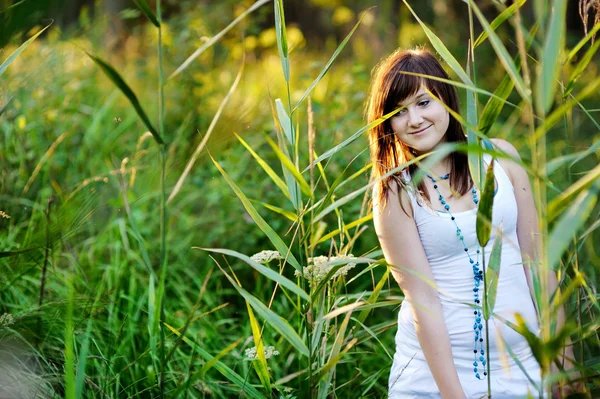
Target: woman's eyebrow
<point x="401" y="104"/>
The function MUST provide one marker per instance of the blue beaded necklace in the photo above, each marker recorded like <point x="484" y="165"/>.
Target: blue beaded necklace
<point x="477" y="278"/>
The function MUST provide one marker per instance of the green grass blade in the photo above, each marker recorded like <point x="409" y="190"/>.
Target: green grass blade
<point x="116" y="78"/>
<point x="329" y="63"/>
<point x="282" y="43"/>
<point x="374" y="295"/>
<point x="18" y="51"/>
<point x="555" y="36"/>
<point x="83" y="353"/>
<point x="260" y="222"/>
<point x="492" y="275"/>
<point x="265" y="166"/>
<point x="216" y="38"/>
<point x="346" y="227"/>
<point x="265" y="271"/>
<point x="284" y="122"/>
<point x="582" y="43"/>
<point x="69" y="345"/>
<point x="474" y="160"/>
<point x="484" y="214"/>
<point x="274" y="320"/>
<point x="499" y="20"/>
<point x="441" y="49"/>
<point x="213" y="361"/>
<point x="284" y="212"/>
<point x="558" y="114"/>
<point x="557" y="162"/>
<point x="147" y="11"/>
<point x="494" y="106"/>
<point x="563" y="200"/>
<point x="570" y="222"/>
<point x="332" y="151"/>
<point x="583" y="63"/>
<point x="289" y="165"/>
<point x="502" y="53"/>
<point x="261" y="364"/>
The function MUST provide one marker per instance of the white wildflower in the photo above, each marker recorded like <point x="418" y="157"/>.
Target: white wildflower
<point x="4" y="215"/>
<point x="6" y="319"/>
<point x="269" y="351"/>
<point x="266" y="256"/>
<point x="319" y="266"/>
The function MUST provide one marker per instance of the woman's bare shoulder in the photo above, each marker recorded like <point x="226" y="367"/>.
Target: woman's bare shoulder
<point x="397" y="204"/>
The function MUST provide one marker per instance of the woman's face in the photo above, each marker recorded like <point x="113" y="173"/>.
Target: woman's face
<point x="422" y="125"/>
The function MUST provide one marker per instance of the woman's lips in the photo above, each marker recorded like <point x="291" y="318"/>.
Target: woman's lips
<point x="420" y="131"/>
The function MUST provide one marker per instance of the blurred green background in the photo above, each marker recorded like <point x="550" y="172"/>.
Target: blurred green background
<point x="67" y="134"/>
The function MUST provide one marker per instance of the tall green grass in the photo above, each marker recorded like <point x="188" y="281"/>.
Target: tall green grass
<point x="131" y="309"/>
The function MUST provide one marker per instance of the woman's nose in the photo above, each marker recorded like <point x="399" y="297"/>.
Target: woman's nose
<point x="414" y="117"/>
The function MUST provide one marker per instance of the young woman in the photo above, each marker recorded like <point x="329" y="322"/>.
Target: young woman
<point x="427" y="233"/>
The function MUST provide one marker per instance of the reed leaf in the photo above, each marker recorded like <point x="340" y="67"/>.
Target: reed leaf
<point x="288" y="164"/>
<point x="147" y="11"/>
<point x="484" y="213"/>
<point x="499" y="20"/>
<point x="582" y="43"/>
<point x="284" y="122"/>
<point x="261" y="364"/>
<point x="116" y="78"/>
<point x="265" y="271"/>
<point x="374" y="295"/>
<point x="492" y="274"/>
<point x="505" y="58"/>
<point x="332" y="151"/>
<point x="337" y="52"/>
<point x="265" y="166"/>
<point x="260" y="222"/>
<point x="474" y="160"/>
<point x="563" y="200"/>
<point x="571" y="222"/>
<point x="9" y="60"/>
<point x="494" y="106"/>
<point x="282" y="43"/>
<point x="277" y="322"/>
<point x="558" y="114"/>
<point x="581" y="65"/>
<point x="83" y="355"/>
<point x="213" y="361"/>
<point x="555" y="36"/>
<point x="346" y="227"/>
<point x="284" y="212"/>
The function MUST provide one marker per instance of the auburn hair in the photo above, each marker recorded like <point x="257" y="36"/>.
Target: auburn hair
<point x="389" y="87"/>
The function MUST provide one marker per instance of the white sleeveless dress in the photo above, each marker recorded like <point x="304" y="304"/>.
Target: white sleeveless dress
<point x="410" y="376"/>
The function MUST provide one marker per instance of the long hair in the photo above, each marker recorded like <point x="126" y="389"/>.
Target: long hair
<point x="389" y="87"/>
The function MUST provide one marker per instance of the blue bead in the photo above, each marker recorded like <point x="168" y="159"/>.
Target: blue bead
<point x="441" y="198"/>
<point x="480" y="327"/>
<point x="447" y="207"/>
<point x="477" y="375"/>
<point x="483" y="362"/>
<point x="478" y="252"/>
<point x="478" y="319"/>
<point x="475" y="289"/>
<point x="475" y="369"/>
<point x="472" y="261"/>
<point x="476" y="201"/>
<point x="475" y="326"/>
<point x="481" y="358"/>
<point x="435" y="185"/>
<point x="432" y="179"/>
<point x="461" y="238"/>
<point x="443" y="202"/>
<point x="482" y="352"/>
<point x="475" y="364"/>
<point x="473" y="191"/>
<point x="477" y="284"/>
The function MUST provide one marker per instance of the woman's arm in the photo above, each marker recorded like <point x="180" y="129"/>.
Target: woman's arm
<point x="404" y="252"/>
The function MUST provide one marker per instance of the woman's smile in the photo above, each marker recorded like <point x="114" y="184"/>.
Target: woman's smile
<point x="418" y="132"/>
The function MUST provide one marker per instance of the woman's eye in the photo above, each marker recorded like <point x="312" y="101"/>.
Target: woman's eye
<point x="424" y="103"/>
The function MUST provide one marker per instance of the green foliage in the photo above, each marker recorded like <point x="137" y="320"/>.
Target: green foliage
<point x="124" y="317"/>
